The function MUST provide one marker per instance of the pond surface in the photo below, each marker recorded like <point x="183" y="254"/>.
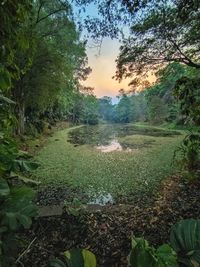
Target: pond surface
<point x="102" y="199"/>
<point x="108" y="137"/>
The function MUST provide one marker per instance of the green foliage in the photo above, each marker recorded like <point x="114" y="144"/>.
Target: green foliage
<point x="187" y="92"/>
<point x="80" y="258"/>
<point x="42" y="61"/>
<point x="165" y="32"/>
<point x="184" y="250"/>
<point x="17" y="211"/>
<point x="106" y="108"/>
<point x="188" y="155"/>
<point x="157" y="110"/>
<point x="185" y="240"/>
<point x="144" y="255"/>
<point x="123" y="109"/>
<point x="75" y="208"/>
<point x="75" y="258"/>
<point x="124" y="175"/>
<point x="158" y="103"/>
<point x="13" y="13"/>
<point x="90" y="110"/>
<point x="13" y="161"/>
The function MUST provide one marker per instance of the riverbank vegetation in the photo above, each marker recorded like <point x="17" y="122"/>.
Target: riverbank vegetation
<point x="43" y="62"/>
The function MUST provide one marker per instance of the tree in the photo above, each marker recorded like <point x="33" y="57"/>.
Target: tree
<point x="106" y="108"/>
<point x="122" y="109"/>
<point x="58" y="61"/>
<point x="13" y="13"/>
<point x="167" y="31"/>
<point x="15" y="200"/>
<point x="138" y="107"/>
<point x="89" y="114"/>
<point x="187" y="91"/>
<point x="160" y="32"/>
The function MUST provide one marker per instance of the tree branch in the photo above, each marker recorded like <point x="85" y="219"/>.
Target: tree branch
<point x="39" y="9"/>
<point x="50" y="14"/>
<point x="186" y="60"/>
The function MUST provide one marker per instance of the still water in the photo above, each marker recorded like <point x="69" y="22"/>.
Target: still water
<point x="106" y="137"/>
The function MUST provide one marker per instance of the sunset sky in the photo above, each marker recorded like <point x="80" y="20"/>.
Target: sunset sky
<point x="103" y="68"/>
<point x="104" y="65"/>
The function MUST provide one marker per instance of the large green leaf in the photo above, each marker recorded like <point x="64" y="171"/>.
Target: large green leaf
<point x="4" y="188"/>
<point x="18" y="209"/>
<point x="6" y="100"/>
<point x="185" y="240"/>
<point x="10" y="219"/>
<point x="142" y="255"/>
<point x="5" y="79"/>
<point x="89" y="258"/>
<point x="74" y="258"/>
<point x="24" y="179"/>
<point x="24" y="165"/>
<point x="57" y="263"/>
<point x="166" y="256"/>
<point x="80" y="258"/>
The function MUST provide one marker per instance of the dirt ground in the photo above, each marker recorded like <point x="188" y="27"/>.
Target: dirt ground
<point x="107" y="232"/>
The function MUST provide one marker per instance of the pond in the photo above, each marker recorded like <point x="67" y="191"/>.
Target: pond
<point x="109" y="137"/>
<point x="107" y="163"/>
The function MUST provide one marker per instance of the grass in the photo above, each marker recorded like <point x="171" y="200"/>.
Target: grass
<point x="124" y="174"/>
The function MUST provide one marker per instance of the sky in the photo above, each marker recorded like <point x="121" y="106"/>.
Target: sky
<point x="103" y="69"/>
<point x="104" y="65"/>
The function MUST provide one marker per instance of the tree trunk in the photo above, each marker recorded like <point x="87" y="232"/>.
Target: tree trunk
<point x="21" y="118"/>
<point x="18" y="97"/>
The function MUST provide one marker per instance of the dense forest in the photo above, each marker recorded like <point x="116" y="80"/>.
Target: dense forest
<point x="43" y="63"/>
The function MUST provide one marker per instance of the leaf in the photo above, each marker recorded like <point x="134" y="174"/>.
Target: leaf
<point x="140" y="240"/>
<point x="57" y="263"/>
<point x="74" y="258"/>
<point x="166" y="256"/>
<point x="24" y="165"/>
<point x="24" y="179"/>
<point x="6" y="100"/>
<point x="89" y="258"/>
<point x="10" y="220"/>
<point x="24" y="220"/>
<point x="185" y="240"/>
<point x="19" y="203"/>
<point x="4" y="188"/>
<point x="5" y="80"/>
<point x="3" y="229"/>
<point x="142" y="255"/>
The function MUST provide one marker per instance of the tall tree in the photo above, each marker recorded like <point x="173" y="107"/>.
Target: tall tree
<point x="58" y="60"/>
<point x="123" y="108"/>
<point x="106" y="108"/>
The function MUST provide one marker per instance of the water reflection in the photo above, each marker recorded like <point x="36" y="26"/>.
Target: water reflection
<point x="113" y="146"/>
<point x="102" y="199"/>
<point x="106" y="137"/>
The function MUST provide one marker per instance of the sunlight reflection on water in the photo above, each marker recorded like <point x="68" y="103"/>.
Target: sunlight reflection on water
<point x="102" y="199"/>
<point x="113" y="146"/>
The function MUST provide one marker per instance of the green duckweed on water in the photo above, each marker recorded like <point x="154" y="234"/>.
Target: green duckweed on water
<point x="144" y="160"/>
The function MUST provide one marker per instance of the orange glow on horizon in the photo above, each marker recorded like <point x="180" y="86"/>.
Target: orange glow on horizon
<point x="103" y="69"/>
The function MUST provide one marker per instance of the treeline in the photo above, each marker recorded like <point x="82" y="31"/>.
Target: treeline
<point x="158" y="103"/>
<point x="43" y="61"/>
